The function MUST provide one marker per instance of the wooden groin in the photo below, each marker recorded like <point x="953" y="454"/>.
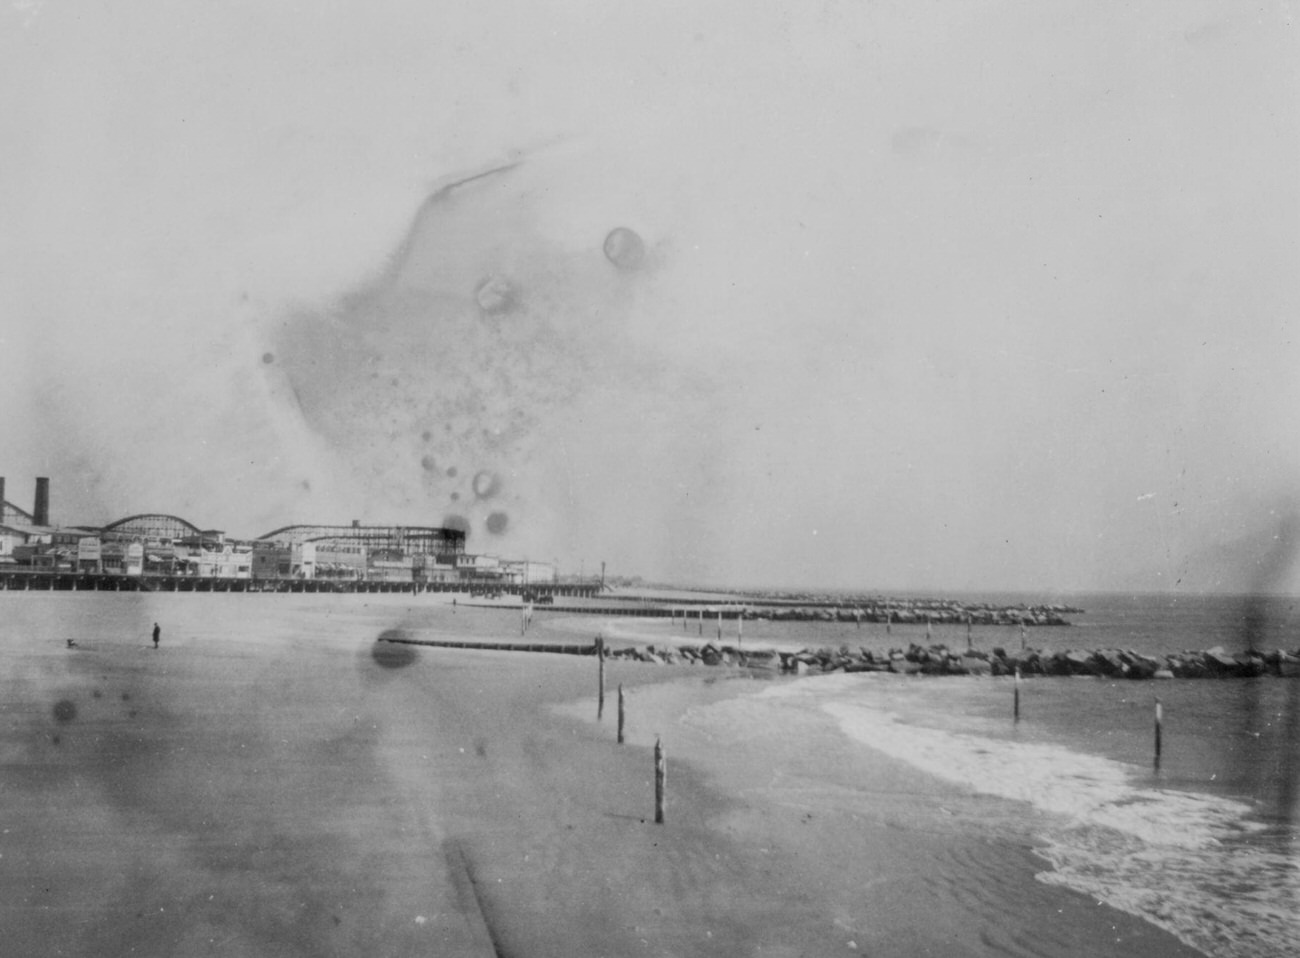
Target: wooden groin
<point x="555" y="647"/>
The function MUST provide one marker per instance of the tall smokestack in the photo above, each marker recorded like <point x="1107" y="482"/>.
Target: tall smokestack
<point x="2" y="498"/>
<point x="41" y="509"/>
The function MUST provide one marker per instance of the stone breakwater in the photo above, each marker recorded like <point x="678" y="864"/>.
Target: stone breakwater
<point x="914" y="612"/>
<point x="940" y="660"/>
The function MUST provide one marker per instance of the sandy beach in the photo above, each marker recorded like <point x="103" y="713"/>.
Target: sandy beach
<point x="271" y="781"/>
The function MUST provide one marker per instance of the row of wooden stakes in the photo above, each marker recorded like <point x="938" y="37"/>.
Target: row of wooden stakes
<point x="661" y="764"/>
<point x="661" y="768"/>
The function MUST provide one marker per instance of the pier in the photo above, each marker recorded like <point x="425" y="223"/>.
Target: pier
<point x="23" y="580"/>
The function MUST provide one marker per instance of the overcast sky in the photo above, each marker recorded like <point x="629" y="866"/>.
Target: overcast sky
<point x="878" y="295"/>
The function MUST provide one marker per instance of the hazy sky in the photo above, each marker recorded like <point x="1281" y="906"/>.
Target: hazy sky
<point x="884" y="295"/>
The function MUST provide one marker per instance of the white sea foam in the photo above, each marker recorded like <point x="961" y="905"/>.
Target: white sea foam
<point x="1181" y="860"/>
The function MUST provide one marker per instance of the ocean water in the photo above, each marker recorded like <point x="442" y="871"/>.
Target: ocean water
<point x="1204" y="845"/>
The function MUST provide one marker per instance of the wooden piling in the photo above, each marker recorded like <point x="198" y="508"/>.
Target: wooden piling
<point x="970" y="642"/>
<point x="1159" y="723"/>
<point x="621" y="713"/>
<point x="661" y="775"/>
<point x="719" y="625"/>
<point x="600" y="666"/>
<point x="1015" y="709"/>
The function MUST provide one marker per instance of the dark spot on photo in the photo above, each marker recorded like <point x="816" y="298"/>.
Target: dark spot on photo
<point x="65" y="710"/>
<point x="486" y="484"/>
<point x="624" y="248"/>
<point x="452" y="471"/>
<point x="391" y="654"/>
<point x="494" y="295"/>
<point x="268" y="358"/>
<point x="497" y="523"/>
<point x="428" y="464"/>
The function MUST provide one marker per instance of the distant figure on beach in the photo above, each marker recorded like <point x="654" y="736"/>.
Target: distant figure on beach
<point x="157" y="634"/>
<point x="72" y="643"/>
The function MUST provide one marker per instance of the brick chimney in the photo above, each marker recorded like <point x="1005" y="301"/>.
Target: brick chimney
<point x="41" y="508"/>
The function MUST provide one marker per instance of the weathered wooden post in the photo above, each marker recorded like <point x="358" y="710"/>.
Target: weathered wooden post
<point x="740" y="626"/>
<point x="661" y="775"/>
<point x="719" y="625"/>
<point x="889" y="621"/>
<point x="1016" y="707"/>
<point x="701" y="616"/>
<point x="620" y="713"/>
<point x="929" y="630"/>
<point x="1159" y="723"/>
<point x="970" y="642"/>
<point x="1022" y="635"/>
<point x="600" y="668"/>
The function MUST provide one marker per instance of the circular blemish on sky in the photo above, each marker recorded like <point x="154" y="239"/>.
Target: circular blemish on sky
<point x="624" y="248"/>
<point x="65" y="710"/>
<point x="451" y="472"/>
<point x="428" y="464"/>
<point x="459" y="523"/>
<point x="497" y="523"/>
<point x="392" y="655"/>
<point x="455" y="497"/>
<point x="426" y="435"/>
<point x="268" y="358"/>
<point x="494" y="295"/>
<point x="486" y="484"/>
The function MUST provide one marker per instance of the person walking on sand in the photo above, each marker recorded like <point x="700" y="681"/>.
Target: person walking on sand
<point x="157" y="634"/>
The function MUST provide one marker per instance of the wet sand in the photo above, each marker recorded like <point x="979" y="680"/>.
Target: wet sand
<point x="272" y="782"/>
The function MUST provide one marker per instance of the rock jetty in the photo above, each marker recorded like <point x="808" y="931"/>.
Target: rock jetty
<point x="913" y="611"/>
<point x="941" y="660"/>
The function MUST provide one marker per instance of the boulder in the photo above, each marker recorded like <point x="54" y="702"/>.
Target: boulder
<point x="1141" y="666"/>
<point x="1080" y="663"/>
<point x="1187" y="666"/>
<point x="1109" y="662"/>
<point x="1219" y="662"/>
<point x="760" y="659"/>
<point x="1249" y="664"/>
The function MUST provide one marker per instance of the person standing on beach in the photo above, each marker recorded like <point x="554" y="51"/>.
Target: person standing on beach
<point x="157" y="634"/>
